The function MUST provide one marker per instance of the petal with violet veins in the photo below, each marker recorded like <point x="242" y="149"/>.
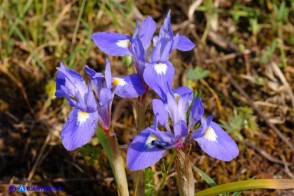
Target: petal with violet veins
<point x="78" y="129"/>
<point x="159" y="77"/>
<point x="146" y="31"/>
<point x="130" y="86"/>
<point x="71" y="79"/>
<point x="160" y="111"/>
<point x="142" y="153"/>
<point x="185" y="44"/>
<point x="217" y="143"/>
<point x="114" y="44"/>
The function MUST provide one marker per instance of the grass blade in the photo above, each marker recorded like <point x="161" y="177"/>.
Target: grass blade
<point x="248" y="184"/>
<point x="205" y="177"/>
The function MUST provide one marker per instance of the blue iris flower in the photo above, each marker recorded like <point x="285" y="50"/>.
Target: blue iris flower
<point x="150" y="145"/>
<point x="88" y="111"/>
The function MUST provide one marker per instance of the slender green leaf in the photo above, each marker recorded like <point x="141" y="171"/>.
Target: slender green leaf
<point x="248" y="184"/>
<point x="104" y="142"/>
<point x="205" y="177"/>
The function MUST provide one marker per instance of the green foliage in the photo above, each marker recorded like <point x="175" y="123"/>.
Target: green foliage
<point x="90" y="151"/>
<point x="197" y="73"/>
<point x="254" y="26"/>
<point x="242" y="120"/>
<point x="281" y="13"/>
<point x="269" y="52"/>
<point x="149" y="182"/>
<point x="241" y="10"/>
<point x="205" y="177"/>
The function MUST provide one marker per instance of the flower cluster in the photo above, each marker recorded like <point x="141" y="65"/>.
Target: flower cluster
<point x="91" y="107"/>
<point x="92" y="102"/>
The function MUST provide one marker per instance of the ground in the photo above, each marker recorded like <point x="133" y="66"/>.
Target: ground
<point x="242" y="67"/>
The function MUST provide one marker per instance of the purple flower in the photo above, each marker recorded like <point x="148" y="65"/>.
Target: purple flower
<point x="106" y="86"/>
<point x="159" y="71"/>
<point x="150" y="145"/>
<point x="87" y="112"/>
<point x="82" y="121"/>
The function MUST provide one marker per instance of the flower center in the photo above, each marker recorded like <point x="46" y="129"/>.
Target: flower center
<point x="160" y="68"/>
<point x="123" y="43"/>
<point x="119" y="81"/>
<point x="82" y="117"/>
<point x="210" y="134"/>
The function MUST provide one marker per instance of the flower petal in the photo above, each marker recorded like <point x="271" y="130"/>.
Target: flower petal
<point x="180" y="129"/>
<point x="196" y="112"/>
<point x="79" y="129"/>
<point x="104" y="108"/>
<point x="166" y="29"/>
<point x="159" y="111"/>
<point x="141" y="154"/>
<point x="185" y="44"/>
<point x="147" y="30"/>
<point x="114" y="44"/>
<point x="130" y="86"/>
<point x="108" y="76"/>
<point x="185" y="96"/>
<point x="138" y="55"/>
<point x="96" y="80"/>
<point x="217" y="143"/>
<point x="159" y="77"/>
<point x="73" y="81"/>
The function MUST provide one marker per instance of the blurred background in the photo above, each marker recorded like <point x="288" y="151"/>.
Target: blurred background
<point x="242" y="67"/>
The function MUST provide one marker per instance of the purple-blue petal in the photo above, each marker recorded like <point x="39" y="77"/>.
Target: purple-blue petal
<point x="166" y="50"/>
<point x="138" y="55"/>
<point x="196" y="112"/>
<point x="180" y="129"/>
<point x="147" y="30"/>
<point x="96" y="80"/>
<point x="130" y="86"/>
<point x="71" y="79"/>
<point x="108" y="76"/>
<point x="182" y="90"/>
<point x="160" y="111"/>
<point x="79" y="129"/>
<point x="217" y="143"/>
<point x="104" y="108"/>
<point x="140" y="155"/>
<point x="184" y="101"/>
<point x="166" y="29"/>
<point x="159" y="77"/>
<point x="114" y="44"/>
<point x="90" y="101"/>
<point x="184" y="44"/>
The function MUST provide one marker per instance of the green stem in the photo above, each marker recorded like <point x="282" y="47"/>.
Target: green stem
<point x="113" y="153"/>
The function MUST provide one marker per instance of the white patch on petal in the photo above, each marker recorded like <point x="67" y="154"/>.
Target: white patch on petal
<point x="123" y="43"/>
<point x="210" y="134"/>
<point x="82" y="117"/>
<point x="177" y="97"/>
<point x="119" y="82"/>
<point x="160" y="68"/>
<point x="149" y="141"/>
